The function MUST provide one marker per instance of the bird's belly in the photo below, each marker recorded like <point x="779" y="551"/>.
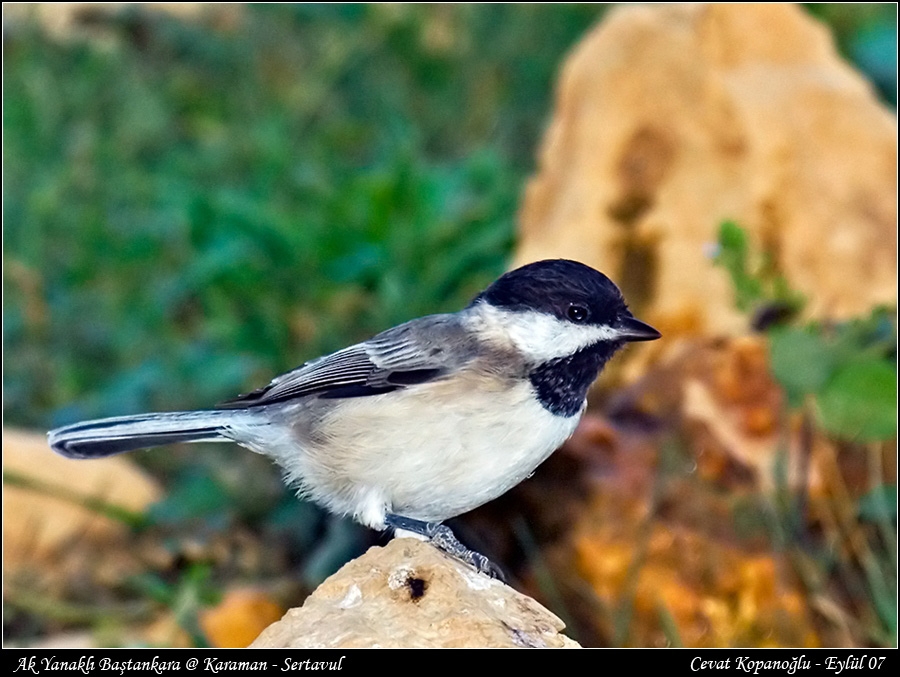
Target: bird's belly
<point x="427" y="453"/>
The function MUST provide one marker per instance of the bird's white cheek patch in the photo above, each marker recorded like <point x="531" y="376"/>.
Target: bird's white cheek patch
<point x="540" y="336"/>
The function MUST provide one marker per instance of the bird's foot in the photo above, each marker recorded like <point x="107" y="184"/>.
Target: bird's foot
<point x="443" y="539"/>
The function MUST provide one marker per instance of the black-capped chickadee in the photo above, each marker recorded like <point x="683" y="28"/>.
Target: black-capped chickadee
<point x="424" y="421"/>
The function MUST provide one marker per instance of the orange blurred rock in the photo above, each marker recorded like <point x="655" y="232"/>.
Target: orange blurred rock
<point x="716" y="594"/>
<point x="737" y="404"/>
<point x="734" y="412"/>
<point x="239" y="618"/>
<point x="670" y="119"/>
<point x="39" y="521"/>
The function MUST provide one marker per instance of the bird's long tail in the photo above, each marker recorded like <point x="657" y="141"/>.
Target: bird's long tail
<point x="108" y="436"/>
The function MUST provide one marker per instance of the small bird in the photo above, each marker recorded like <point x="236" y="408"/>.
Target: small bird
<point x="424" y="421"/>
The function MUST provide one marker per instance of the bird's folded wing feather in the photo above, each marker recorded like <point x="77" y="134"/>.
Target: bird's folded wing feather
<point x="411" y="353"/>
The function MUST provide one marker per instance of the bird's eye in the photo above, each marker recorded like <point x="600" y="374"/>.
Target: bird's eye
<point x="577" y="313"/>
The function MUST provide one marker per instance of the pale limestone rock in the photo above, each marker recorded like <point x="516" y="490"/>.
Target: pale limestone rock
<point x="408" y="594"/>
<point x="671" y="118"/>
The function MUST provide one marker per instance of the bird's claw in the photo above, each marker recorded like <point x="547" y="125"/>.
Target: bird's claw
<point x="442" y="537"/>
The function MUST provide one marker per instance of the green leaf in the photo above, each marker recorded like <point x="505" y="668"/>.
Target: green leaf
<point x="879" y="504"/>
<point x="802" y="361"/>
<point x="757" y="282"/>
<point x="860" y="401"/>
<point x="733" y="254"/>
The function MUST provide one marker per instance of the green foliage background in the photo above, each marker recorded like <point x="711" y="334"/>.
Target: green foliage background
<point x="195" y="211"/>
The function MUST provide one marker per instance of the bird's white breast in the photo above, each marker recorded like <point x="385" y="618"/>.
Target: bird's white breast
<point x="429" y="452"/>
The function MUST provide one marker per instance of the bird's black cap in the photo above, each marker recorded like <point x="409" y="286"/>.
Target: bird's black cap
<point x="555" y="285"/>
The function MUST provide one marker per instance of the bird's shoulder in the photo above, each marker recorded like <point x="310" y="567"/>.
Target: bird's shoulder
<point x="414" y="352"/>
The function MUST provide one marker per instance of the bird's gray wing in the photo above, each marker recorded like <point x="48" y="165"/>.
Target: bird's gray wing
<point x="411" y="353"/>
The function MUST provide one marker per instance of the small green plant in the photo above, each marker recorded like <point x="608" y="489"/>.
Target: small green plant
<point x="848" y="368"/>
<point x="757" y="282"/>
<point x="193" y="590"/>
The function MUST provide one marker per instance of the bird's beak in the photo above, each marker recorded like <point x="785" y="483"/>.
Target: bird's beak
<point x="630" y="329"/>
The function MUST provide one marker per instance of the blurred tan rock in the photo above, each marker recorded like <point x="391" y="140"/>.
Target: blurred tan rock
<point x="164" y="631"/>
<point x="408" y="594"/>
<point x="670" y="119"/>
<point x="238" y="619"/>
<point x="39" y="519"/>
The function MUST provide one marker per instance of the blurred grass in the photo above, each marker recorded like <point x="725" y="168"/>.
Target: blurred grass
<point x="194" y="211"/>
<point x="189" y="211"/>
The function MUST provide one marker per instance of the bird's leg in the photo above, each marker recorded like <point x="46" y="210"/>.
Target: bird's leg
<point x="443" y="539"/>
